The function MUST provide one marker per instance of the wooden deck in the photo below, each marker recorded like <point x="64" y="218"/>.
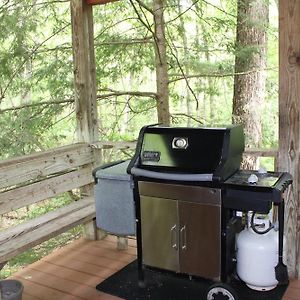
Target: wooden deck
<point x="73" y="272"/>
<point x="293" y="291"/>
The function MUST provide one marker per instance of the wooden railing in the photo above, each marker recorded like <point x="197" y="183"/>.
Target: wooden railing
<point x="30" y="179"/>
<point x="33" y="178"/>
<point x="258" y="153"/>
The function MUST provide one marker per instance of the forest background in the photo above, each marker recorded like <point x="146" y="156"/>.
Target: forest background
<point x="36" y="70"/>
<point x="214" y="74"/>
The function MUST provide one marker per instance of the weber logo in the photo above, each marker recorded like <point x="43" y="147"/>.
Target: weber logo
<point x="151" y="156"/>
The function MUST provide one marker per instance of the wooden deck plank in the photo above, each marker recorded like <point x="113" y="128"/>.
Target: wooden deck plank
<point x="293" y="291"/>
<point x="114" y="254"/>
<point x="63" y="285"/>
<point x="73" y="271"/>
<point x="43" y="292"/>
<point x="29" y="297"/>
<point x="62" y="272"/>
<point x="295" y="284"/>
<point x="291" y="294"/>
<point x="100" y="261"/>
<point x="83" y="267"/>
<point x="100" y="266"/>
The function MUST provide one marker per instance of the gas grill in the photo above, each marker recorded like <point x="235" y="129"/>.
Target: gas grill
<point x="190" y="196"/>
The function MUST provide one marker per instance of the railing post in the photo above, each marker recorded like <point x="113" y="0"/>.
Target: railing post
<point x="289" y="122"/>
<point x="85" y="81"/>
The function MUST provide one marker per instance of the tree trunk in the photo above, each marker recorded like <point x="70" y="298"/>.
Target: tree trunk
<point x="204" y="33"/>
<point x="250" y="65"/>
<point x="162" y="79"/>
<point x="187" y="95"/>
<point x="210" y="80"/>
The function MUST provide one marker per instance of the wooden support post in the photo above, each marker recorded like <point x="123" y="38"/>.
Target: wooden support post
<point x="122" y="243"/>
<point x="84" y="71"/>
<point x="90" y="230"/>
<point x="85" y="79"/>
<point x="289" y="122"/>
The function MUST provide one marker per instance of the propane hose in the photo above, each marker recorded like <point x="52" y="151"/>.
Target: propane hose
<point x="258" y="231"/>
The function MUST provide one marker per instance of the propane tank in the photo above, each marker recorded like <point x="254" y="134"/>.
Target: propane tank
<point x="257" y="256"/>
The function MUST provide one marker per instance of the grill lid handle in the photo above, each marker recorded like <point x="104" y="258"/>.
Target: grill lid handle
<point x="171" y="176"/>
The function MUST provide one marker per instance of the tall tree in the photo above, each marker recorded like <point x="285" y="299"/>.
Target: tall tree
<point x="162" y="78"/>
<point x="183" y="34"/>
<point x="250" y="66"/>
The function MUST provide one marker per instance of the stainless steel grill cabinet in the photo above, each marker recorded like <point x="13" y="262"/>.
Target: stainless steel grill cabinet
<point x="187" y="189"/>
<point x="181" y="228"/>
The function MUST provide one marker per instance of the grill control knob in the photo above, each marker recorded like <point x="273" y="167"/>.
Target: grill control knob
<point x="180" y="143"/>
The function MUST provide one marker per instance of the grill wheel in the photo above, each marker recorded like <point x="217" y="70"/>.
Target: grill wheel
<point x="221" y="291"/>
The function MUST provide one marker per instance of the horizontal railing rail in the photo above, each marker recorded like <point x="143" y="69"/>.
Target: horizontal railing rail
<point x="30" y="179"/>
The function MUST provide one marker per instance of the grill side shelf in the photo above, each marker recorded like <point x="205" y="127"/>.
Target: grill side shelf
<point x="247" y="200"/>
<point x="254" y="197"/>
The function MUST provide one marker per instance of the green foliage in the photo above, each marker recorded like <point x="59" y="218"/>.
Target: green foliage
<point x="36" y="66"/>
<point x="36" y="210"/>
<point x="36" y="253"/>
<point x="34" y="69"/>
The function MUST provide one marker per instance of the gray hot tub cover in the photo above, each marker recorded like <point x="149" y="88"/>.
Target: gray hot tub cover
<point x="115" y="211"/>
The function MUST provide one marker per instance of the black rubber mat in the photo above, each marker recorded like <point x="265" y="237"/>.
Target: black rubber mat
<point x="162" y="285"/>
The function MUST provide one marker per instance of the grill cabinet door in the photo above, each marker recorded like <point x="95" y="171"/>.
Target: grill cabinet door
<point x="200" y="239"/>
<point x="195" y="213"/>
<point x="159" y="220"/>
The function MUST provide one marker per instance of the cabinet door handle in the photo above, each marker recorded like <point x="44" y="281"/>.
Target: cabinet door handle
<point x="183" y="237"/>
<point x="174" y="237"/>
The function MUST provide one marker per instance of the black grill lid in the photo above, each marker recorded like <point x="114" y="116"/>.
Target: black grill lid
<point x="181" y="153"/>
